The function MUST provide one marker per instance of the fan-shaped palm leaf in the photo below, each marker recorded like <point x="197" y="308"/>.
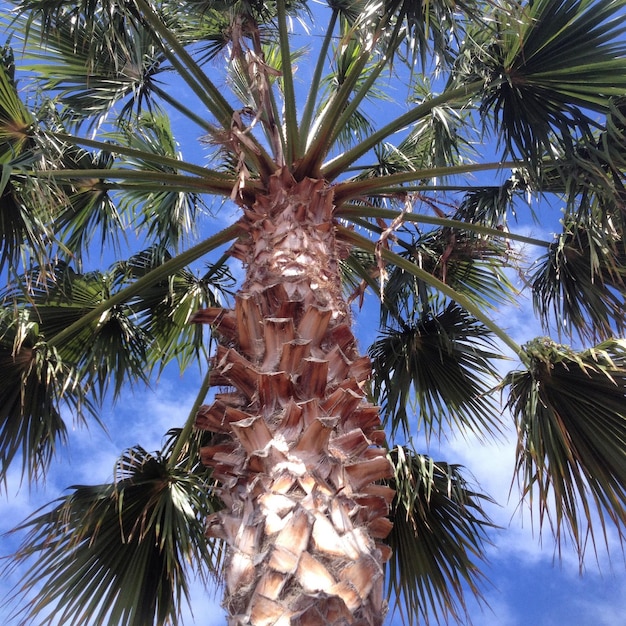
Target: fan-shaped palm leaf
<point x="441" y="365"/>
<point x="551" y="62"/>
<point x="117" y="553"/>
<point x="438" y="538"/>
<point x="112" y="349"/>
<point x="570" y="413"/>
<point x="166" y="216"/>
<point x="85" y="207"/>
<point x="121" y="56"/>
<point x="165" y="308"/>
<point x="434" y="141"/>
<point x="22" y="228"/>
<point x="36" y="384"/>
<point x="580" y="281"/>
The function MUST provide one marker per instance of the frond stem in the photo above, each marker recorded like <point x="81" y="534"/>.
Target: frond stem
<point x="353" y="212"/>
<point x="292" y="136"/>
<point x="188" y="68"/>
<point x="139" y="154"/>
<point x="350" y="189"/>
<point x="196" y="183"/>
<point x="188" y="427"/>
<point x="311" y="100"/>
<point x="325" y="126"/>
<point x="338" y="165"/>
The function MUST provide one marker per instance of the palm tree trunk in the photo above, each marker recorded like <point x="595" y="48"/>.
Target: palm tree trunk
<point x="299" y="452"/>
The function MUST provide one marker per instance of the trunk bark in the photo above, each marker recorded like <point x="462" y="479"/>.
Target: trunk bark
<point x="298" y="453"/>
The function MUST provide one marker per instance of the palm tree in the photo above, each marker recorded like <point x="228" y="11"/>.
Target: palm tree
<point x="358" y="164"/>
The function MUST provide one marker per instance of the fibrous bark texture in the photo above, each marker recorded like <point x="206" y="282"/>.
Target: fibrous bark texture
<point x="298" y="452"/>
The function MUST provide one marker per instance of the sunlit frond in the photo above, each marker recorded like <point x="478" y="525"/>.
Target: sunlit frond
<point x="37" y="384"/>
<point x="164" y="309"/>
<point x="166" y="216"/>
<point x="111" y="350"/>
<point x="23" y="228"/>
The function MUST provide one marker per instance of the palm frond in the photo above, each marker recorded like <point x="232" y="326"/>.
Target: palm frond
<point x="37" y="383"/>
<point x="165" y="308"/>
<point x="438" y="539"/>
<point x="84" y="208"/>
<point x="111" y="350"/>
<point x="118" y="553"/>
<point x="166" y="216"/>
<point x="492" y="205"/>
<point x="441" y="365"/>
<point x="121" y="57"/>
<point x="470" y="263"/>
<point x="580" y="281"/>
<point x="23" y="228"/>
<point x="434" y="141"/>
<point x="553" y="63"/>
<point x="569" y="408"/>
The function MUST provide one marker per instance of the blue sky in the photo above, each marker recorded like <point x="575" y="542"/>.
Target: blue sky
<point x="527" y="584"/>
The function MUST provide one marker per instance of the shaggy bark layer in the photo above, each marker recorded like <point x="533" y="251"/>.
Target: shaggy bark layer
<point x="299" y="452"/>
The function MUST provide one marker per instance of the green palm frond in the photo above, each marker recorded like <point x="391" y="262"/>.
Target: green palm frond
<point x="580" y="281"/>
<point x="492" y="205"/>
<point x="15" y="118"/>
<point x="166" y="216"/>
<point x="122" y="62"/>
<point x="85" y="207"/>
<point x="202" y="24"/>
<point x="23" y="228"/>
<point x="570" y="412"/>
<point x="438" y="539"/>
<point x="470" y="263"/>
<point x="118" y="553"/>
<point x="37" y="383"/>
<point x="430" y="29"/>
<point x="552" y="64"/>
<point x="358" y="272"/>
<point x="112" y="349"/>
<point x="441" y="366"/>
<point x="165" y="308"/>
<point x="127" y="340"/>
<point x="432" y="142"/>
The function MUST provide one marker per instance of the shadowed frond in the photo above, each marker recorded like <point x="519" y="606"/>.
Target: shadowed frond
<point x="570" y="412"/>
<point x="580" y="281"/>
<point x="119" y="553"/>
<point x="438" y="539"/>
<point x="441" y="367"/>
